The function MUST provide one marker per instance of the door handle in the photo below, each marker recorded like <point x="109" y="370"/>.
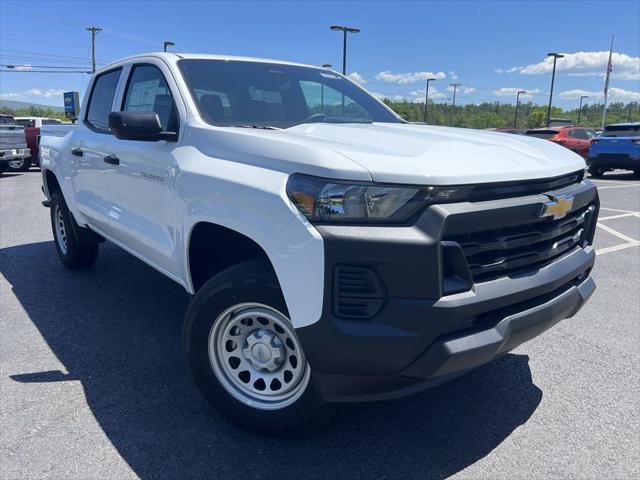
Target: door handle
<point x="77" y="152"/>
<point x="111" y="160"/>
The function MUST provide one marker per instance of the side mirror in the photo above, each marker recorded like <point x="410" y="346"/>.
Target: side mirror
<point x="142" y="126"/>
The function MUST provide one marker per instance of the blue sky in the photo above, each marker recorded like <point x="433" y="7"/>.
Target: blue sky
<point x="493" y="48"/>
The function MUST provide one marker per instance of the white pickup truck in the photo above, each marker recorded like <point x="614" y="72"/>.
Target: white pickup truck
<point x="335" y="253"/>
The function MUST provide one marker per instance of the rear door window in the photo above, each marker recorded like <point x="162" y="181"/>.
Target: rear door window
<point x="101" y="100"/>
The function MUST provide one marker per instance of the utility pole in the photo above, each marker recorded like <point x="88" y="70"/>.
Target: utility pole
<point x="606" y="85"/>
<point x="455" y="87"/>
<point x="426" y="98"/>
<point x="555" y="56"/>
<point x="515" y="118"/>
<point x="93" y="31"/>
<point x="580" y="108"/>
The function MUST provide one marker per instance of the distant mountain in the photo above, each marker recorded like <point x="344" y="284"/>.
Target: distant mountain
<point x="13" y="105"/>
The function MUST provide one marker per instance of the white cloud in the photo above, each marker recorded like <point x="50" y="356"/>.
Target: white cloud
<point x="382" y="96"/>
<point x="615" y="93"/>
<point x="453" y="75"/>
<point x="408" y="78"/>
<point x="462" y="89"/>
<point x="513" y="91"/>
<point x="434" y="94"/>
<point x="356" y="77"/>
<point x="34" y="92"/>
<point x="624" y="67"/>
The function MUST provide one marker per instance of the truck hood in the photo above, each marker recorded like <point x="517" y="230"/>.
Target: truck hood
<point x="423" y="154"/>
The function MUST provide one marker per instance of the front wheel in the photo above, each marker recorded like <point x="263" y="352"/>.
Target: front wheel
<point x="245" y="356"/>
<point x="75" y="250"/>
<point x="596" y="172"/>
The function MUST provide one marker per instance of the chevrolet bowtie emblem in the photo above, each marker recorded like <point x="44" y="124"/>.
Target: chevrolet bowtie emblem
<point x="557" y="206"/>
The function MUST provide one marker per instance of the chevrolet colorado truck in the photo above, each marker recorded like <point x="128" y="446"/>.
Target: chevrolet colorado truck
<point x="335" y="253"/>
<point x="13" y="146"/>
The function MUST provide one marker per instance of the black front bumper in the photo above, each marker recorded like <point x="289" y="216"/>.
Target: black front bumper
<point x="418" y="333"/>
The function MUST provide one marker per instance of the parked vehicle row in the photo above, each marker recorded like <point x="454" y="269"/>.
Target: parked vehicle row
<point x="13" y="146"/>
<point x="32" y="126"/>
<point x="576" y="139"/>
<point x="336" y="253"/>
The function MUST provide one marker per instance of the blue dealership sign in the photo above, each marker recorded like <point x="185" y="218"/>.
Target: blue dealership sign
<point x="71" y="105"/>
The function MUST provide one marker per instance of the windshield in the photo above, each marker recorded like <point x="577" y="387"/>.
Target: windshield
<point x="622" y="131"/>
<point x="239" y="93"/>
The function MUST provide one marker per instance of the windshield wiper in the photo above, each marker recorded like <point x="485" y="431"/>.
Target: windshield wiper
<point x="263" y="127"/>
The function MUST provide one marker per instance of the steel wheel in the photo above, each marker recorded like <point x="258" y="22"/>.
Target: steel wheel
<point x="61" y="231"/>
<point x="256" y="356"/>
<point x="16" y="164"/>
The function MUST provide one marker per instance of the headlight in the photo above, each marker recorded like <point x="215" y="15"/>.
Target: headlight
<point x="333" y="201"/>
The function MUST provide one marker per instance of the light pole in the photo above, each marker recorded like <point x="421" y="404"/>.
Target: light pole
<point x="344" y="30"/>
<point x="168" y="44"/>
<point x="580" y="108"/>
<point x="426" y="98"/>
<point x="324" y="65"/>
<point x="515" y="118"/>
<point x="555" y="56"/>
<point x="455" y="87"/>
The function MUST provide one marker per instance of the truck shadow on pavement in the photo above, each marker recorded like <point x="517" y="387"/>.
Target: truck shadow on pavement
<point x="117" y="329"/>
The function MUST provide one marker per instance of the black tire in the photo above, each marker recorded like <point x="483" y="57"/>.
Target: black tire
<point x="3" y="167"/>
<point x="252" y="281"/>
<point x="25" y="165"/>
<point x="636" y="173"/>
<point x="74" y="249"/>
<point x="596" y="172"/>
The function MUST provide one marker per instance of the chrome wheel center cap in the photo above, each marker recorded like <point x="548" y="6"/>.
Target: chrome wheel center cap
<point x="264" y="350"/>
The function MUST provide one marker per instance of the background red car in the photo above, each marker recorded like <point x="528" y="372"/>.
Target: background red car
<point x="574" y="138"/>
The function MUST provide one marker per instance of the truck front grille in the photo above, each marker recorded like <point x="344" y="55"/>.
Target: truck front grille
<point x="505" y="251"/>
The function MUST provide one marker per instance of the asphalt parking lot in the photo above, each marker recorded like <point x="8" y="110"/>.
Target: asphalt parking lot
<point x="93" y="384"/>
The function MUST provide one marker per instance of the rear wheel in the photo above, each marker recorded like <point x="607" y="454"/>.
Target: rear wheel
<point x="21" y="165"/>
<point x="3" y="167"/>
<point x="244" y="354"/>
<point x="596" y="172"/>
<point x="74" y="249"/>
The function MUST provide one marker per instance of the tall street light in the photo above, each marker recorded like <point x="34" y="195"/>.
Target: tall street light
<point x="555" y="56"/>
<point x="580" y="108"/>
<point x="426" y="98"/>
<point x="515" y="118"/>
<point x="167" y="45"/>
<point x="344" y="30"/>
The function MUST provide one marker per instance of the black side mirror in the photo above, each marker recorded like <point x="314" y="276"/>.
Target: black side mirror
<point x="142" y="126"/>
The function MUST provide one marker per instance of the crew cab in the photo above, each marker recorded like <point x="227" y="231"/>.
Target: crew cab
<point x="32" y="126"/>
<point x="335" y="253"/>
<point x="13" y="147"/>
<point x="618" y="147"/>
<point x="577" y="139"/>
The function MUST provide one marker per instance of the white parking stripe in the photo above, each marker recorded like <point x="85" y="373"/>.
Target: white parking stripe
<point x="615" y="248"/>
<point x="616" y="210"/>
<point x="622" y="215"/>
<point x="618" y="186"/>
<point x="621" y="236"/>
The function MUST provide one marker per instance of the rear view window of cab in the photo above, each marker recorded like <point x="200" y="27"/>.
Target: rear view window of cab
<point x="101" y="100"/>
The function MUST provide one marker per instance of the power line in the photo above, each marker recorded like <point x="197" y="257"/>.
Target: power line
<point x="28" y="66"/>
<point x="10" y="70"/>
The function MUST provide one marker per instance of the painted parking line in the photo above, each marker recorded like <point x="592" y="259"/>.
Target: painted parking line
<point x="622" y="215"/>
<point x="615" y="248"/>
<point x="629" y="241"/>
<point x="617" y="210"/>
<point x="619" y="186"/>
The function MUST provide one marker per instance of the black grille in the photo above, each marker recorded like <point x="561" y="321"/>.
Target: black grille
<point x="358" y="292"/>
<point x="493" y="191"/>
<point x="505" y="251"/>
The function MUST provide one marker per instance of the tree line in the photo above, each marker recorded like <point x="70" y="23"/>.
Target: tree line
<point x="497" y="114"/>
<point x="483" y="115"/>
